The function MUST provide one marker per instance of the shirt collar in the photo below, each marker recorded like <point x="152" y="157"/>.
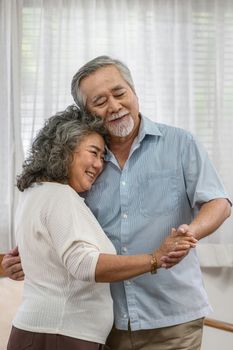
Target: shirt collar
<point x="147" y="127"/>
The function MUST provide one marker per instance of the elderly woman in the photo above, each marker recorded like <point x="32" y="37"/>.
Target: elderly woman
<point x="63" y="249"/>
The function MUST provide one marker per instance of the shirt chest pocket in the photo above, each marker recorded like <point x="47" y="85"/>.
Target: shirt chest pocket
<point x="158" y="193"/>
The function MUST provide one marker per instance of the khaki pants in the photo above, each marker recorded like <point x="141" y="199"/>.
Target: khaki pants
<point x="20" y="340"/>
<point x="186" y="336"/>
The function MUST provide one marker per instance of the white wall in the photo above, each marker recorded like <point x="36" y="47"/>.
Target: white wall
<point x="10" y="298"/>
<point x="219" y="286"/>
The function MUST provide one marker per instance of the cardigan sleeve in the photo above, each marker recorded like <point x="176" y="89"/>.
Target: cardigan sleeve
<point x="75" y="234"/>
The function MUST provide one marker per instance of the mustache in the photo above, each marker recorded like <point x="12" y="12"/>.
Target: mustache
<point x="115" y="116"/>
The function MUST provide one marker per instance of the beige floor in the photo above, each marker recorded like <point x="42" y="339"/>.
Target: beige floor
<point x="10" y="297"/>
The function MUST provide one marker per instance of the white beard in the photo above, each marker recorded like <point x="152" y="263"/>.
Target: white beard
<point x="122" y="128"/>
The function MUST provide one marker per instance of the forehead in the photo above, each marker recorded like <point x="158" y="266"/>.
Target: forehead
<point x="98" y="82"/>
<point x="92" y="140"/>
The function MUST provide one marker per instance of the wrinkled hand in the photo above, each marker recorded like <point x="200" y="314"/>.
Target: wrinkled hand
<point x="11" y="265"/>
<point x="184" y="229"/>
<point x="175" y="247"/>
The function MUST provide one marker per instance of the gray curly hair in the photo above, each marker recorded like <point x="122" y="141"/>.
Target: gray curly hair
<point x="91" y="67"/>
<point x="51" y="152"/>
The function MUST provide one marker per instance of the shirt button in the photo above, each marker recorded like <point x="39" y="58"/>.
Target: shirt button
<point x="124" y="249"/>
<point x="125" y="216"/>
<point x="125" y="316"/>
<point x="123" y="183"/>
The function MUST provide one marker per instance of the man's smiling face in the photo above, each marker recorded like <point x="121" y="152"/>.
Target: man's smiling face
<point x="109" y="96"/>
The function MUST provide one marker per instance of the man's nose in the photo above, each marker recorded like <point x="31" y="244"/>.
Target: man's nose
<point x="113" y="105"/>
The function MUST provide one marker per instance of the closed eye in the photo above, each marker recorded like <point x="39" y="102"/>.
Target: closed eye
<point x="119" y="91"/>
<point x="119" y="94"/>
<point x="100" y="104"/>
<point x="99" y="101"/>
<point x="94" y="152"/>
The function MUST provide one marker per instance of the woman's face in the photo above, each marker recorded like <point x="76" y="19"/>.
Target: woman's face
<point x="87" y="164"/>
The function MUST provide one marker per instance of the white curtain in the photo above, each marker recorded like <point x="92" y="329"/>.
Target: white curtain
<point x="180" y="53"/>
<point x="11" y="151"/>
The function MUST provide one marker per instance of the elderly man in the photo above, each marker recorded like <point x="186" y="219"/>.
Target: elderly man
<point x="156" y="177"/>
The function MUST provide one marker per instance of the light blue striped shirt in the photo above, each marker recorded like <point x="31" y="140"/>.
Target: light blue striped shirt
<point x="167" y="175"/>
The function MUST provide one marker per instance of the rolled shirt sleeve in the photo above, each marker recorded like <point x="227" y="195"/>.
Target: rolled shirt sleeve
<point x="202" y="181"/>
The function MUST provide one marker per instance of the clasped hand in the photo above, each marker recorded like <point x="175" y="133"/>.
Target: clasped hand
<point x="175" y="247"/>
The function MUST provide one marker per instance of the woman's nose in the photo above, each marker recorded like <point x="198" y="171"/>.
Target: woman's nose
<point x="98" y="164"/>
